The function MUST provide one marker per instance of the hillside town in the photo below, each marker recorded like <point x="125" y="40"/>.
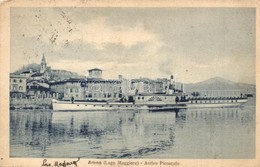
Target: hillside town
<point x="32" y="86"/>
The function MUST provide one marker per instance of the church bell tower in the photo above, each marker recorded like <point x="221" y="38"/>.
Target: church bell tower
<point x="43" y="65"/>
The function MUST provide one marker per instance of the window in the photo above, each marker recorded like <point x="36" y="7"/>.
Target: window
<point x="143" y="98"/>
<point x="71" y="90"/>
<point x="76" y="90"/>
<point x="14" y="87"/>
<point x="14" y="80"/>
<point x="20" y="88"/>
<point x="21" y="81"/>
<point x="138" y="98"/>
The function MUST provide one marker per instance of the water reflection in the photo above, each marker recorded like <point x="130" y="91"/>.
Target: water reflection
<point x="101" y="134"/>
<point x="126" y="134"/>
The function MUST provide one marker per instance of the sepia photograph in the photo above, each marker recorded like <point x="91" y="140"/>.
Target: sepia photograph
<point x="112" y="84"/>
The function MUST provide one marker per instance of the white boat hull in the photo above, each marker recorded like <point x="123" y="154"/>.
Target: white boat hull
<point x="216" y="104"/>
<point x="92" y="106"/>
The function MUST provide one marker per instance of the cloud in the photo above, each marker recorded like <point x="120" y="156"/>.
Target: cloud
<point x="99" y="34"/>
<point x="54" y="33"/>
<point x="195" y="44"/>
<point x="59" y="31"/>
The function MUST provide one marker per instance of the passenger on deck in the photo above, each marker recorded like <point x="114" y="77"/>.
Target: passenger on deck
<point x="177" y="99"/>
<point x="241" y="95"/>
<point x="72" y="99"/>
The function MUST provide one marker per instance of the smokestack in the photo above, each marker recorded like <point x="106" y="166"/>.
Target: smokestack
<point x="182" y="87"/>
<point x="171" y="85"/>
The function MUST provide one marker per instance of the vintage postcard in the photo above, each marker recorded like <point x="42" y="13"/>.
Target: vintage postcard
<point x="134" y="83"/>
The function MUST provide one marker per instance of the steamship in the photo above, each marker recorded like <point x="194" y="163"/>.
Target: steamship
<point x="172" y="99"/>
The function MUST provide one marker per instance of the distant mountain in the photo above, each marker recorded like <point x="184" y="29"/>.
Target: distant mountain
<point x="219" y="84"/>
<point x="216" y="80"/>
<point x="55" y="75"/>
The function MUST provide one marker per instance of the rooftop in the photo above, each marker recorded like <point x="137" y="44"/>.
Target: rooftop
<point x="37" y="74"/>
<point x="17" y="76"/>
<point x="28" y="72"/>
<point x="95" y="69"/>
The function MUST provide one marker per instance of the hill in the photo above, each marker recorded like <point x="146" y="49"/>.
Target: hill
<point x="33" y="66"/>
<point x="59" y="75"/>
<point x="218" y="84"/>
<point x="55" y="75"/>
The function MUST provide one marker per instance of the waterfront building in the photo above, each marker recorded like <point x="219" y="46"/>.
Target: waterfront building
<point x="36" y="90"/>
<point x="73" y="89"/>
<point x="87" y="89"/>
<point x="17" y="86"/>
<point x="58" y="87"/>
<point x="145" y="85"/>
<point x="95" y="73"/>
<point x="37" y="77"/>
<point x="28" y="73"/>
<point x="103" y="89"/>
<point x="92" y="87"/>
<point x="68" y="89"/>
<point x="162" y="84"/>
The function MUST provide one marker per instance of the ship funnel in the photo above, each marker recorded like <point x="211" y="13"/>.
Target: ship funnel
<point x="182" y="87"/>
<point x="171" y="85"/>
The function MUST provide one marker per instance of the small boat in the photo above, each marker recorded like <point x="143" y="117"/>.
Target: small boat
<point x="249" y="95"/>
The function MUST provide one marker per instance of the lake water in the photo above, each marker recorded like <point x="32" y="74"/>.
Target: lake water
<point x="201" y="133"/>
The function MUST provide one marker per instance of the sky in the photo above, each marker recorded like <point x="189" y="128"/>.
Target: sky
<point x="194" y="44"/>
